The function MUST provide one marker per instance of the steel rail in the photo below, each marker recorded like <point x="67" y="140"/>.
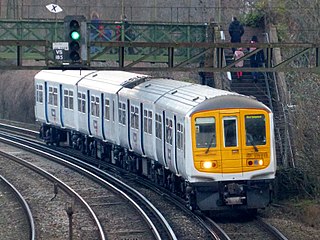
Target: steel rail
<point x="56" y="181"/>
<point x="274" y="231"/>
<point x="86" y="172"/>
<point x="24" y="205"/>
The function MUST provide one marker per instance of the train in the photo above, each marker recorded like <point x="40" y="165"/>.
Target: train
<point x="213" y="147"/>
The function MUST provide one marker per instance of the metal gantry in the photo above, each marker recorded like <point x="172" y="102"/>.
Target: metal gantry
<point x="142" y="47"/>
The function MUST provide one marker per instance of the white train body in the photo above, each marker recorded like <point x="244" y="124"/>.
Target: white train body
<point x="159" y="121"/>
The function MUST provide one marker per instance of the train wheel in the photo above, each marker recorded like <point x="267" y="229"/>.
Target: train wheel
<point x="191" y="201"/>
<point x="191" y="198"/>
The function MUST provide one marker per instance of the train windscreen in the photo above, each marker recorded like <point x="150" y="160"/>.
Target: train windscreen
<point x="255" y="130"/>
<point x="205" y="132"/>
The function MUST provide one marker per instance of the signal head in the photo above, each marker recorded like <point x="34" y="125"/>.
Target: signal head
<point x="74" y="24"/>
<point x="75" y="35"/>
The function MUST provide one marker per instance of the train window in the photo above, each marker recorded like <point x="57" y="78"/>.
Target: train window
<point x="95" y="106"/>
<point x="71" y="100"/>
<point x="180" y="139"/>
<point x="122" y="113"/>
<point x="230" y="131"/>
<point x="68" y="99"/>
<point x="255" y="130"/>
<point x="147" y="121"/>
<point x="39" y="93"/>
<point x="205" y="132"/>
<point x="113" y="111"/>
<point x="150" y="122"/>
<point x="134" y="117"/>
<point x="169" y="131"/>
<point x="50" y="96"/>
<point x="107" y="109"/>
<point x="158" y="126"/>
<point x="92" y="106"/>
<point x="81" y="102"/>
<point x="53" y="96"/>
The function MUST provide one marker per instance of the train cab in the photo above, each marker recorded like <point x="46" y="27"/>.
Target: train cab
<point x="230" y="145"/>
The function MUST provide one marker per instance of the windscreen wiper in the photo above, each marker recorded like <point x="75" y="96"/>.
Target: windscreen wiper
<point x="211" y="141"/>
<point x="250" y="139"/>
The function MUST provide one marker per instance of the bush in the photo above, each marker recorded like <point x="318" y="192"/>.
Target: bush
<point x="254" y="19"/>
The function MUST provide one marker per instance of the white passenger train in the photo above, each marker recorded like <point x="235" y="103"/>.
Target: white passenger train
<point x="214" y="147"/>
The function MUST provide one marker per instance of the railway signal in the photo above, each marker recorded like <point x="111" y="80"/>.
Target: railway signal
<point x="76" y="36"/>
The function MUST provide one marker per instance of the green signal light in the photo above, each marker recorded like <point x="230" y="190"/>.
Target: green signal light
<point x="75" y="35"/>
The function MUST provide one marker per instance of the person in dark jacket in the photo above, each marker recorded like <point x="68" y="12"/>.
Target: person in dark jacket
<point x="257" y="59"/>
<point x="236" y="31"/>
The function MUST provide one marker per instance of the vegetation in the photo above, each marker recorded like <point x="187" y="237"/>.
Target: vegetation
<point x="301" y="25"/>
<point x="17" y="96"/>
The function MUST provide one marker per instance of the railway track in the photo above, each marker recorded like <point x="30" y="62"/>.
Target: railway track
<point x="21" y="222"/>
<point x="115" y="212"/>
<point x="239" y="225"/>
<point x="209" y="228"/>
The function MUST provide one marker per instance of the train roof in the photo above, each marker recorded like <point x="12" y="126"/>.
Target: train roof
<point x="70" y="77"/>
<point x="177" y="96"/>
<point x="109" y="81"/>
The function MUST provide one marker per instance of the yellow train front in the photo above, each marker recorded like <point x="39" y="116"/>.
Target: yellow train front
<point x="233" y="154"/>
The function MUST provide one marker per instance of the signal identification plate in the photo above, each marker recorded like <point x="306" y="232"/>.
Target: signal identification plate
<point x="60" y="45"/>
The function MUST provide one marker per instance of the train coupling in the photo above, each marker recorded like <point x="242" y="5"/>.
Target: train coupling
<point x="234" y="194"/>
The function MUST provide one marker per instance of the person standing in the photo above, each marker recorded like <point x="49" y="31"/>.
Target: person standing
<point x="236" y="31"/>
<point x="237" y="55"/>
<point x="257" y="59"/>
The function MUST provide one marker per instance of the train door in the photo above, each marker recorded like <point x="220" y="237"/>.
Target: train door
<point x="53" y="100"/>
<point x="159" y="137"/>
<point x="231" y="156"/>
<point x="169" y="142"/>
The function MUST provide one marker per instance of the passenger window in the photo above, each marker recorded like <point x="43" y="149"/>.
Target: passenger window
<point x="205" y="132"/>
<point x="147" y="119"/>
<point x="230" y="131"/>
<point x="39" y="93"/>
<point x="68" y="99"/>
<point x="107" y="109"/>
<point x="158" y="126"/>
<point x="180" y="138"/>
<point x="255" y="130"/>
<point x="81" y="102"/>
<point x="53" y="96"/>
<point x="169" y="131"/>
<point x="134" y="117"/>
<point x="122" y="113"/>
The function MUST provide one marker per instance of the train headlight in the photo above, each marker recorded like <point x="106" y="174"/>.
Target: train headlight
<point x="260" y="162"/>
<point x="208" y="164"/>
